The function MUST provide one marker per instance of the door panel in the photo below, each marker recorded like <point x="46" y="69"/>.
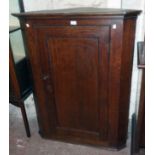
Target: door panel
<point x="75" y="74"/>
<point x="75" y="81"/>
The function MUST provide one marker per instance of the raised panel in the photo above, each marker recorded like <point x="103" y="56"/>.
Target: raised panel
<point x="75" y="74"/>
<point x="75" y="71"/>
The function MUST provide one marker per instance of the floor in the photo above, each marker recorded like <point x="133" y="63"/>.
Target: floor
<point x="21" y="145"/>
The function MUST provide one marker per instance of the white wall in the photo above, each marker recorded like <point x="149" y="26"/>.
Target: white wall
<point x="58" y="4"/>
<point x="114" y="3"/>
<point x="13" y="7"/>
<point x="79" y="3"/>
<point x="33" y="5"/>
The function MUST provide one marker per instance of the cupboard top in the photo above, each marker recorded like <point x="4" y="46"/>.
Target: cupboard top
<point x="83" y="12"/>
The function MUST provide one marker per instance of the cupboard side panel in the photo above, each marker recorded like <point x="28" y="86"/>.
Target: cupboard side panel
<point x="114" y="82"/>
<point x="126" y="72"/>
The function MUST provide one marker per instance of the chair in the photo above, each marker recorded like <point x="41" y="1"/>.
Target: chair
<point x="19" y="82"/>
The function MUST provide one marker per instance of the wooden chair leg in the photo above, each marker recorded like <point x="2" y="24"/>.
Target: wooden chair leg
<point x="25" y="120"/>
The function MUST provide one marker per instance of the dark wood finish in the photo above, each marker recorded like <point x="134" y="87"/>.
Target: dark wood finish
<point x="125" y="78"/>
<point x="82" y="73"/>
<point x="80" y="12"/>
<point x="12" y="74"/>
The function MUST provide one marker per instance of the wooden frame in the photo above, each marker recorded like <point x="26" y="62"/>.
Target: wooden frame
<point x="15" y="97"/>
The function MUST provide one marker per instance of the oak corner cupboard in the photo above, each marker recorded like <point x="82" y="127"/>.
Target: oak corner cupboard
<point x="81" y="61"/>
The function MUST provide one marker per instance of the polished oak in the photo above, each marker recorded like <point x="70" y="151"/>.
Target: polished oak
<point x="81" y="61"/>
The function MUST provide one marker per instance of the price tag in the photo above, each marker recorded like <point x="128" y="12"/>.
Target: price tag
<point x="73" y="22"/>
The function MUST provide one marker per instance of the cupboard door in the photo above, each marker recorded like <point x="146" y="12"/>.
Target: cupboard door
<point x="74" y="71"/>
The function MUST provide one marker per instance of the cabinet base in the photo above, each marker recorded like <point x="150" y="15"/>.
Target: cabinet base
<point x="79" y="141"/>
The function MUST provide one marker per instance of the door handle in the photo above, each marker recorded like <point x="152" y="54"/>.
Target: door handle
<point x="45" y="77"/>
